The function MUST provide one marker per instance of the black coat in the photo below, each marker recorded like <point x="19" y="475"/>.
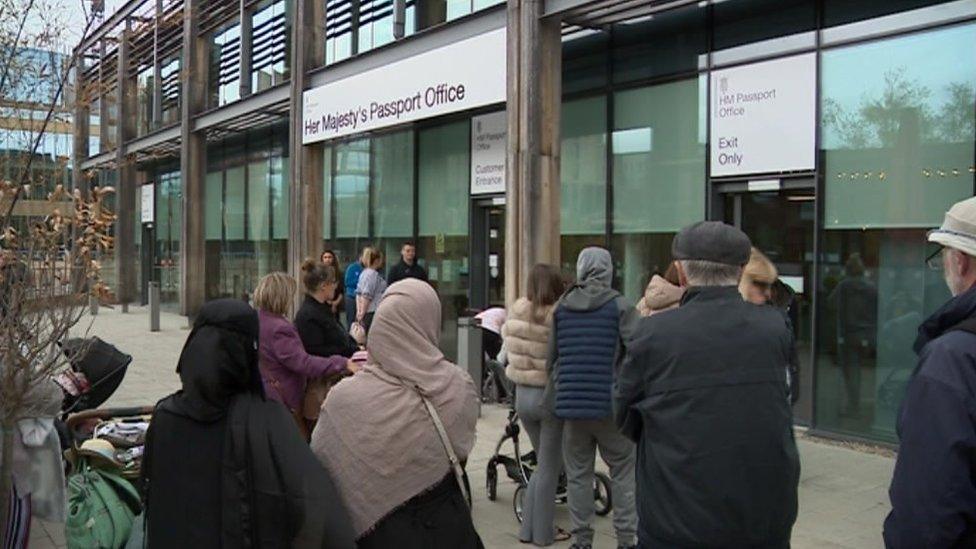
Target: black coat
<point x="226" y="468"/>
<point x="321" y="333"/>
<point x="401" y="271"/>
<point x="933" y="491"/>
<point x="703" y="393"/>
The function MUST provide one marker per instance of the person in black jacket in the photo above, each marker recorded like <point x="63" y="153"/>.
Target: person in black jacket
<point x="407" y="267"/>
<point x="933" y="491"/>
<point x="320" y="331"/>
<point x="702" y="391"/>
<point x="226" y="467"/>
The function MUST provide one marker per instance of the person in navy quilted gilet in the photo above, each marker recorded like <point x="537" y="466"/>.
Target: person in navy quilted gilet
<point x="591" y="323"/>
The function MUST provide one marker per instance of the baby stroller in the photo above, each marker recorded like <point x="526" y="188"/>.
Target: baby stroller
<point x="96" y="370"/>
<point x="520" y="468"/>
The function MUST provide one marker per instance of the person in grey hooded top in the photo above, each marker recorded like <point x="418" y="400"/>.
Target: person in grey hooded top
<point x="590" y="326"/>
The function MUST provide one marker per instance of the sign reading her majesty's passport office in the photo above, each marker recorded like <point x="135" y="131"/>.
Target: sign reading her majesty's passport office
<point x="460" y="76"/>
<point x="763" y="117"/>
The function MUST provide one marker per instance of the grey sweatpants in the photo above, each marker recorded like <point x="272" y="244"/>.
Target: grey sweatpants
<point x="581" y="438"/>
<point x="546" y="432"/>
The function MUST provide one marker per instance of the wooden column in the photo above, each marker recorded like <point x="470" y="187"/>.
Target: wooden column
<point x="306" y="163"/>
<point x="534" y="103"/>
<point x="193" y="163"/>
<point x="81" y="138"/>
<point x="125" y="249"/>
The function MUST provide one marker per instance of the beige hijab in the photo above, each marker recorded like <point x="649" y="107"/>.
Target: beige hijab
<point x="374" y="434"/>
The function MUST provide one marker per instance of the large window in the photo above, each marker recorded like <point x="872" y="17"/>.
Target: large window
<point x="583" y="173"/>
<point x="673" y="42"/>
<point x="392" y="193"/>
<point x="225" y="65"/>
<point x="271" y="42"/>
<point x="899" y="124"/>
<point x="144" y="93"/>
<point x="444" y="177"/>
<point x="658" y="146"/>
<point x="169" y="227"/>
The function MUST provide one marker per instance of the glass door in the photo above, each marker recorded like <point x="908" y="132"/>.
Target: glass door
<point x="780" y="223"/>
<point x="488" y="254"/>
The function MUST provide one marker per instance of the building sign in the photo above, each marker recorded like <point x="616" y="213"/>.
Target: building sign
<point x="763" y="117"/>
<point x="464" y="75"/>
<point x="488" y="150"/>
<point x="148" y="203"/>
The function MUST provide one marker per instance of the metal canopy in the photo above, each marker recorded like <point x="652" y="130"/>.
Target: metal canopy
<point x="601" y="13"/>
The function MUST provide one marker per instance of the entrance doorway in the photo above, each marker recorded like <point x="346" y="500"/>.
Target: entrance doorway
<point x="779" y="219"/>
<point x="488" y="253"/>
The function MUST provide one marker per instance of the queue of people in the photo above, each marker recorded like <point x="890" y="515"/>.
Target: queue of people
<point x="687" y="397"/>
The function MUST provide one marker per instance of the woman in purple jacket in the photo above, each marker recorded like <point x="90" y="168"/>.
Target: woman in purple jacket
<point x="285" y="366"/>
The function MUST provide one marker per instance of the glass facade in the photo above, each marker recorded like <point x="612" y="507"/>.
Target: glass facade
<point x="247" y="223"/>
<point x="897" y="140"/>
<point x="270" y="44"/>
<point x="898" y="122"/>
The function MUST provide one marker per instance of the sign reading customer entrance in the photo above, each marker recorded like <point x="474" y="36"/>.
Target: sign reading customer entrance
<point x="763" y="117"/>
<point x="489" y="134"/>
<point x="464" y="75"/>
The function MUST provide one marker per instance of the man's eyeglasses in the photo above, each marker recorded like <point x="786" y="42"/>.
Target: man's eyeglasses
<point x="934" y="260"/>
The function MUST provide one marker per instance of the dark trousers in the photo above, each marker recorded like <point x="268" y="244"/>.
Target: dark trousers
<point x="435" y="519"/>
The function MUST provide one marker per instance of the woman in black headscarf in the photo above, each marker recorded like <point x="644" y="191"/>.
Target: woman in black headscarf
<point x="226" y="468"/>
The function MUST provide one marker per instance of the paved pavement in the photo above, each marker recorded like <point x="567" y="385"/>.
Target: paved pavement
<point x="843" y="492"/>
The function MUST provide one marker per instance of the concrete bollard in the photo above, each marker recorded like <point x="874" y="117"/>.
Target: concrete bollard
<point x="93" y="305"/>
<point x="470" y="354"/>
<point x="154" y="306"/>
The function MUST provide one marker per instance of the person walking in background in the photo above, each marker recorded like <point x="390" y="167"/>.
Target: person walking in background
<point x="590" y="326"/>
<point x="526" y="339"/>
<point x="933" y="490"/>
<point x="378" y="435"/>
<point x="336" y="302"/>
<point x="285" y="365"/>
<point x="350" y="283"/>
<point x="703" y="393"/>
<point x="408" y="266"/>
<point x="856" y="301"/>
<point x="371" y="286"/>
<point x="223" y="465"/>
<point x="319" y="330"/>
<point x="662" y="293"/>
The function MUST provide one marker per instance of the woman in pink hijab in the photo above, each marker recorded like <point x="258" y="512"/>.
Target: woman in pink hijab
<point x="379" y="441"/>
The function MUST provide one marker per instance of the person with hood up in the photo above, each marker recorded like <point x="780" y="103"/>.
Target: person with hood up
<point x="225" y="466"/>
<point x="702" y="392"/>
<point x="381" y="441"/>
<point x="591" y="325"/>
<point x="933" y="491"/>
<point x="662" y="293"/>
<point x="526" y="346"/>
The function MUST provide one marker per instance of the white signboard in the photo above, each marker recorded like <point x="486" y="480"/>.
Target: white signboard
<point x="763" y="117"/>
<point x="464" y="75"/>
<point x="148" y="203"/>
<point x="489" y="135"/>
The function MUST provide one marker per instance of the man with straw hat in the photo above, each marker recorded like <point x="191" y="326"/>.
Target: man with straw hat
<point x="933" y="492"/>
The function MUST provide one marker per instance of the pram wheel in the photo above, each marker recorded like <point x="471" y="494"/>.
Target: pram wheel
<point x="491" y="480"/>
<point x="518" y="500"/>
<point x="602" y="498"/>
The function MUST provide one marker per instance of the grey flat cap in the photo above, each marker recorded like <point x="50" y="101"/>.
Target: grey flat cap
<point x="712" y="241"/>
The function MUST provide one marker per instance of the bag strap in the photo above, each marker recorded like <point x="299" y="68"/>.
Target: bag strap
<point x="446" y="441"/>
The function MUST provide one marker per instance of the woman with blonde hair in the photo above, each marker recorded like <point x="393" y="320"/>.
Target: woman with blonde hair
<point x="371" y="287"/>
<point x="390" y="435"/>
<point x="526" y="340"/>
<point x="285" y="365"/>
<point x="757" y="280"/>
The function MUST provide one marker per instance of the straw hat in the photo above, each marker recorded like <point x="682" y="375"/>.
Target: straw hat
<point x="100" y="452"/>
<point x="958" y="230"/>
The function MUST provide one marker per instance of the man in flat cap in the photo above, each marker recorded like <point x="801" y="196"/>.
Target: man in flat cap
<point x="703" y="393"/>
<point x="933" y="492"/>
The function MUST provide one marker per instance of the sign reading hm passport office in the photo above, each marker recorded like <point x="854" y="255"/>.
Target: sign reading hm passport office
<point x="461" y="76"/>
<point x="763" y="117"/>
